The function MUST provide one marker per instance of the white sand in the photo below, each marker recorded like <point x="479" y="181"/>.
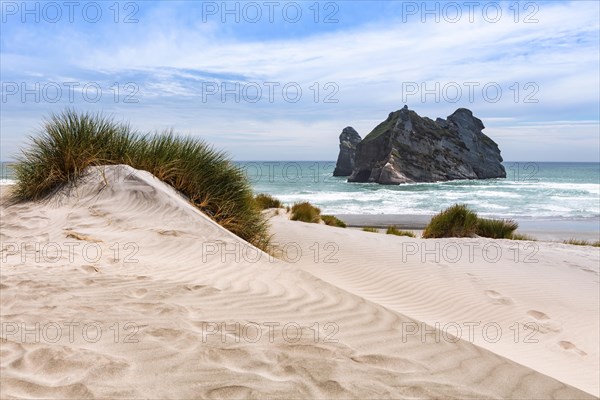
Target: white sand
<point x="543" y="296"/>
<point x="129" y="290"/>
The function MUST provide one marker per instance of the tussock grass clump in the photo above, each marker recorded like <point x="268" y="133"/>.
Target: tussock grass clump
<point x="460" y="221"/>
<point x="333" y="221"/>
<point x="496" y="228"/>
<point x="577" y="242"/>
<point x="456" y="221"/>
<point x="266" y="201"/>
<point x="306" y="212"/>
<point x="70" y="142"/>
<point x="392" y="230"/>
<point x="370" y="229"/>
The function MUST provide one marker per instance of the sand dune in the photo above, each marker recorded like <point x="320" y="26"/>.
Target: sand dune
<point x="121" y="289"/>
<point x="534" y="303"/>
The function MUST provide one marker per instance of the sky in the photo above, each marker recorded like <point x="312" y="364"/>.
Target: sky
<point x="279" y="80"/>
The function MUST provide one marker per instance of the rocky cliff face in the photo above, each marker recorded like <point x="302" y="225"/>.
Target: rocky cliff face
<point x="349" y="138"/>
<point x="408" y="148"/>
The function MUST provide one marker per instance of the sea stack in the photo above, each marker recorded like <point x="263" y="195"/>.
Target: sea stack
<point x="408" y="148"/>
<point x="349" y="139"/>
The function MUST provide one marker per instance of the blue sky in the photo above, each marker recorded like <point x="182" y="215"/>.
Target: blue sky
<point x="296" y="73"/>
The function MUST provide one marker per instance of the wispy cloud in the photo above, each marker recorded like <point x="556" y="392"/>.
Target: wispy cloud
<point x="546" y="71"/>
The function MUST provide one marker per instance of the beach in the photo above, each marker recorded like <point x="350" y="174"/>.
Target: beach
<point x="119" y="288"/>
<point x="300" y="200"/>
<point x="554" y="230"/>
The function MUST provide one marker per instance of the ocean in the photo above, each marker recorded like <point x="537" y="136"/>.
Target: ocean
<point x="531" y="190"/>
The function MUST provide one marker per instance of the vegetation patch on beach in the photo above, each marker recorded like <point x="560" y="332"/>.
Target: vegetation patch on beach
<point x="459" y="221"/>
<point x="333" y="221"/>
<point x="71" y="141"/>
<point x="577" y="242"/>
<point x="306" y="212"/>
<point x="520" y="236"/>
<point x="496" y="228"/>
<point x="456" y="221"/>
<point x="370" y="229"/>
<point x="392" y="230"/>
<point x="266" y="201"/>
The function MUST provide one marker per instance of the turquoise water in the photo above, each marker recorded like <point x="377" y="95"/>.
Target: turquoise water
<point x="531" y="190"/>
<point x="563" y="191"/>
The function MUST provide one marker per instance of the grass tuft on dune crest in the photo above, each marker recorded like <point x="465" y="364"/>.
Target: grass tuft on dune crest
<point x="306" y="212"/>
<point x="392" y="230"/>
<point x="332" y="220"/>
<point x="266" y="201"/>
<point x="576" y="242"/>
<point x="370" y="229"/>
<point x="71" y="141"/>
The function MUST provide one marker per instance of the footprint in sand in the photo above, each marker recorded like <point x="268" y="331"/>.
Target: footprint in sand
<point x="497" y="298"/>
<point x="537" y="315"/>
<point x="90" y="268"/>
<point x="169" y="233"/>
<point x="96" y="212"/>
<point x="137" y="293"/>
<point x="566" y="345"/>
<point x="473" y="277"/>
<point x="544" y="323"/>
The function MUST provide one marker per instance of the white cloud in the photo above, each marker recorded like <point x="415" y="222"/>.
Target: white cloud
<point x="370" y="63"/>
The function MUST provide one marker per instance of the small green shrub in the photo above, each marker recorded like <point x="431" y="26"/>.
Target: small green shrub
<point x="577" y="242"/>
<point x="306" y="212"/>
<point x="333" y="221"/>
<point x="370" y="229"/>
<point x="393" y="231"/>
<point x="266" y="201"/>
<point x="456" y="221"/>
<point x="496" y="228"/>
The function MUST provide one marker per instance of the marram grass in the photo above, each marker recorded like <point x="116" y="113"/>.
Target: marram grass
<point x="496" y="228"/>
<point x="392" y="230"/>
<point x="459" y="221"/>
<point x="70" y="142"/>
<point x="332" y="220"/>
<point x="306" y="212"/>
<point x="455" y="221"/>
<point x="266" y="201"/>
<point x="577" y="242"/>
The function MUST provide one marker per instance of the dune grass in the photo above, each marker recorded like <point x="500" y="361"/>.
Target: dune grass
<point x="577" y="242"/>
<point x="496" y="228"/>
<point x="70" y="142"/>
<point x="266" y="201"/>
<point x="306" y="212"/>
<point x="459" y="221"/>
<point x="370" y="229"/>
<point x="392" y="230"/>
<point x="333" y="221"/>
<point x="455" y="221"/>
<point x="520" y="236"/>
